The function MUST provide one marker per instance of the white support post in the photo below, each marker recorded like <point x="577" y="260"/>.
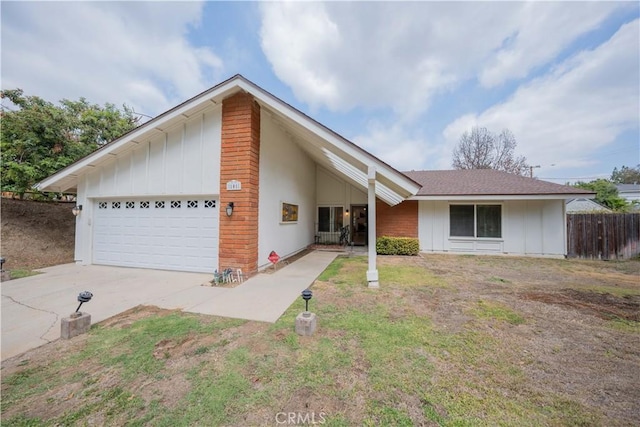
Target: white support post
<point x="372" y="272"/>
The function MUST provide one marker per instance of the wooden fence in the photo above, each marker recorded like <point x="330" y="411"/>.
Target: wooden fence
<point x="603" y="235"/>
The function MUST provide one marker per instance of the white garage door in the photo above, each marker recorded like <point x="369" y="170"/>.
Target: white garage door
<point x="169" y="234"/>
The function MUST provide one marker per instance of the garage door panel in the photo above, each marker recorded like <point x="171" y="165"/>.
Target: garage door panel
<point x="174" y="234"/>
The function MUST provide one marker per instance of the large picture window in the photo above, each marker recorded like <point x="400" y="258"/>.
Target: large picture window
<point x="329" y="218"/>
<point x="475" y="221"/>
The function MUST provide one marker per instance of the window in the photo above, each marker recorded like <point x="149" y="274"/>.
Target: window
<point x="144" y="204"/>
<point x="159" y="204"/>
<point x="329" y="218"/>
<point x="192" y="204"/>
<point x="102" y="205"/>
<point x="475" y="221"/>
<point x="208" y="204"/>
<point x="130" y="205"/>
<point x="461" y="220"/>
<point x="115" y="205"/>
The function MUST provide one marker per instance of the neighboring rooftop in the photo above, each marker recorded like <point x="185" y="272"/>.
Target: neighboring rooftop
<point x="585" y="205"/>
<point x="628" y="188"/>
<point x="486" y="182"/>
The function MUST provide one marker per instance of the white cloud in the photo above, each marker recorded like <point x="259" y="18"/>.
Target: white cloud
<point x="395" y="146"/>
<point x="131" y="52"/>
<point x="399" y="55"/>
<point x="541" y="31"/>
<point x="580" y="107"/>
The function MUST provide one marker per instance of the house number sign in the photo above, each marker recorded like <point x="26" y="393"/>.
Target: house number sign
<point x="234" y="185"/>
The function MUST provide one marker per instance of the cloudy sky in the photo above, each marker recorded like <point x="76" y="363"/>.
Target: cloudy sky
<point x="402" y="80"/>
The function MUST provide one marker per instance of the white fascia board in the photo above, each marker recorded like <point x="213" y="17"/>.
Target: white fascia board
<point x="137" y="135"/>
<point x="360" y="155"/>
<point x="499" y="197"/>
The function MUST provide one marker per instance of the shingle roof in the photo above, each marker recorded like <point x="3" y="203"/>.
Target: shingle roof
<point x="585" y="205"/>
<point x="485" y="182"/>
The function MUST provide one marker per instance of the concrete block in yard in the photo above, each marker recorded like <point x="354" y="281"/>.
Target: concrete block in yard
<point x="76" y="324"/>
<point x="306" y="323"/>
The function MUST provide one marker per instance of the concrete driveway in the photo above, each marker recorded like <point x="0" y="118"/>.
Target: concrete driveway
<point x="33" y="306"/>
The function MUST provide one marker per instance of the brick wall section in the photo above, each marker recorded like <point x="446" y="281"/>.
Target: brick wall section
<point x="239" y="160"/>
<point x="397" y="221"/>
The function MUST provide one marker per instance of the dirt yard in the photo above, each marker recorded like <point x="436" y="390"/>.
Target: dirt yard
<point x="36" y="234"/>
<point x="446" y="340"/>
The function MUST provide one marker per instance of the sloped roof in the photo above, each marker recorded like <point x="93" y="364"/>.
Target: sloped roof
<point x="488" y="182"/>
<point x="321" y="143"/>
<point x="585" y="205"/>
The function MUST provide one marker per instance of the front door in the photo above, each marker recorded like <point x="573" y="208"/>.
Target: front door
<point x="359" y="222"/>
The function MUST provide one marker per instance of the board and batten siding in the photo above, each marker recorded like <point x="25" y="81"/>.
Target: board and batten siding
<point x="529" y="227"/>
<point x="332" y="190"/>
<point x="184" y="160"/>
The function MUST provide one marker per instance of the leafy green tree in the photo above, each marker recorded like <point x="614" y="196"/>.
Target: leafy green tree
<point x="39" y="138"/>
<point x="626" y="175"/>
<point x="606" y="194"/>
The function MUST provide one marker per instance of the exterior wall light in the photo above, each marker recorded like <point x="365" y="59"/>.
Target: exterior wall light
<point x="229" y="209"/>
<point x="76" y="210"/>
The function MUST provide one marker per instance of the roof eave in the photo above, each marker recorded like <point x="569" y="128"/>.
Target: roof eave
<point x="391" y="179"/>
<point x="499" y="197"/>
<point x="213" y="95"/>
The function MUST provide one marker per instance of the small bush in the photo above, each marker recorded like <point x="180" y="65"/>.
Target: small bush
<point x="397" y="246"/>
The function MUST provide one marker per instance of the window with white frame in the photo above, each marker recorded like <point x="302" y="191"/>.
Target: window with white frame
<point x="329" y="218"/>
<point x="484" y="221"/>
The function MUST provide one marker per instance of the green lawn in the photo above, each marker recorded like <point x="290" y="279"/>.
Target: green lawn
<point x="423" y="349"/>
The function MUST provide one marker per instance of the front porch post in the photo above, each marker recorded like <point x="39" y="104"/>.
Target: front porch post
<point x="372" y="272"/>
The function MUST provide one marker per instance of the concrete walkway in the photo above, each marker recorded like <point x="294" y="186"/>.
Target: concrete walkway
<point x="33" y="306"/>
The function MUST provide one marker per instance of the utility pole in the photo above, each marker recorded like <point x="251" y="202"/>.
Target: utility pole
<point x="531" y="170"/>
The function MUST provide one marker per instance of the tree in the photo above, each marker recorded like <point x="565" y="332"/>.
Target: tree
<point x="38" y="138"/>
<point x="606" y="194"/>
<point x="483" y="149"/>
<point x="626" y="175"/>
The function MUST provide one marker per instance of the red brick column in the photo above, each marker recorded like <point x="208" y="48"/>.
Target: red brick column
<point x="239" y="160"/>
<point x="400" y="220"/>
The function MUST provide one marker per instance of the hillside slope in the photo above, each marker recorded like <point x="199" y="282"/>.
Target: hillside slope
<point x="36" y="234"/>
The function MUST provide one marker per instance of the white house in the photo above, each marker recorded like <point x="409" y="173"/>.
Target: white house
<point x="233" y="173"/>
<point x="487" y="211"/>
<point x="629" y="192"/>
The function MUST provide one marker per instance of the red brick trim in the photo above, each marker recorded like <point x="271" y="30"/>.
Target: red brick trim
<point x="400" y="220"/>
<point x="240" y="160"/>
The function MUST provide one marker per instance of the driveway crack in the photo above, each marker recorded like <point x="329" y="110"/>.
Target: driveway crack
<point x="38" y="309"/>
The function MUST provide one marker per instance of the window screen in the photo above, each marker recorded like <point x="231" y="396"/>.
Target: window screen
<point x="461" y="220"/>
<point x="329" y="218"/>
<point x="324" y="219"/>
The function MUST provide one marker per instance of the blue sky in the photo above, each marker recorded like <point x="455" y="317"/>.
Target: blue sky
<point x="402" y="80"/>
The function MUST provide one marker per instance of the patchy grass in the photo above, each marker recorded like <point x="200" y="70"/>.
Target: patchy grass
<point x="625" y="325"/>
<point x="20" y="273"/>
<point x="432" y="346"/>
<point x="492" y="310"/>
